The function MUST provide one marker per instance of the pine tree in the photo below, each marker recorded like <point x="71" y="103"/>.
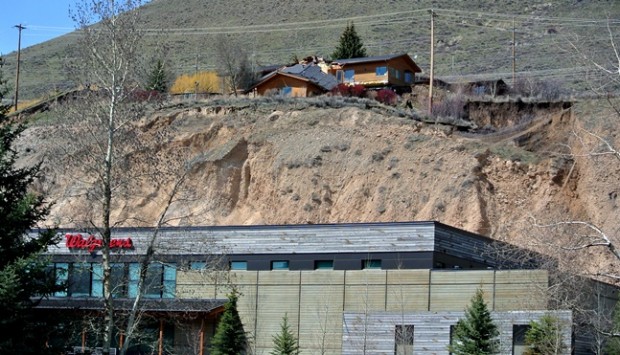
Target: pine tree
<point x="350" y="45"/>
<point x="613" y="344"/>
<point x="285" y="342"/>
<point x="544" y="337"/>
<point x="157" y="79"/>
<point x="24" y="277"/>
<point x="229" y="338"/>
<point x="476" y="334"/>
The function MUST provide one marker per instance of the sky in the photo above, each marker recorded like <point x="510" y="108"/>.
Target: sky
<point x="43" y="19"/>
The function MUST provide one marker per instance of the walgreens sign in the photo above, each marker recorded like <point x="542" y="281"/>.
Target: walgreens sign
<point x="90" y="242"/>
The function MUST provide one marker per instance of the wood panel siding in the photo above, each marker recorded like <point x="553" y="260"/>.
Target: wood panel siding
<point x="375" y="332"/>
<point x="314" y="301"/>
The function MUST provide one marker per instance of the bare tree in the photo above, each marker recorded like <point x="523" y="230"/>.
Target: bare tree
<point x="233" y="63"/>
<point x="105" y="140"/>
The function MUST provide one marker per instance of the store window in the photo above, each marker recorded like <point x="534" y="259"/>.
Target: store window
<point x="61" y="270"/>
<point x="324" y="265"/>
<point x="238" y="265"/>
<point x="371" y="264"/>
<point x="518" y="338"/>
<point x="279" y="265"/>
<point x="197" y="265"/>
<point x="403" y="339"/>
<point x="79" y="280"/>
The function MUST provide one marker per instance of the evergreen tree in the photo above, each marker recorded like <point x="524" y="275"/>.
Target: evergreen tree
<point x="476" y="334"/>
<point x="24" y="277"/>
<point x="285" y="342"/>
<point x="544" y="337"/>
<point x="157" y="79"/>
<point x="229" y="338"/>
<point x="613" y="344"/>
<point x="350" y="45"/>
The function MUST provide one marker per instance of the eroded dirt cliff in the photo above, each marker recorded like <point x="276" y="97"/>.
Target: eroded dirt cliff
<point x="287" y="164"/>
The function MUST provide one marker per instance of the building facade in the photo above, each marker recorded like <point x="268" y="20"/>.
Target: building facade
<point x="367" y="288"/>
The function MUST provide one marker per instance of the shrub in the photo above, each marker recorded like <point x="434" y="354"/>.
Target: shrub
<point x="357" y="90"/>
<point x="341" y="90"/>
<point x="452" y="106"/>
<point x="530" y="87"/>
<point x="386" y="96"/>
<point x="345" y="90"/>
<point x="201" y="82"/>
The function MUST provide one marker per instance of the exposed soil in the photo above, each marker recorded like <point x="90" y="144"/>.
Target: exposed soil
<point x="284" y="165"/>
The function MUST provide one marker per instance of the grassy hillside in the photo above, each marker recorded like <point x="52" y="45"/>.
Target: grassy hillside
<point x="472" y="37"/>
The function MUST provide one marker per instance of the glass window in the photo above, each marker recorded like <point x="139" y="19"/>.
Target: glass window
<point x="79" y="280"/>
<point x="518" y="338"/>
<point x="97" y="281"/>
<point x="403" y="339"/>
<point x="238" y="265"/>
<point x="397" y="73"/>
<point x="287" y="91"/>
<point x="118" y="280"/>
<point x="62" y="276"/>
<point x="371" y="264"/>
<point x="323" y="264"/>
<point x="408" y="77"/>
<point x="170" y="281"/>
<point x="197" y="265"/>
<point x="349" y="76"/>
<point x="339" y="76"/>
<point x="279" y="265"/>
<point x="380" y="71"/>
<point x="153" y="281"/>
<point x="134" y="276"/>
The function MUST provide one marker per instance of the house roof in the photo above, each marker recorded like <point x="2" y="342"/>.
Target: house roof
<point x="379" y="58"/>
<point x="306" y="72"/>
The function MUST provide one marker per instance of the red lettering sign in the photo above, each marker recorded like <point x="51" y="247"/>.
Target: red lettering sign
<point x="77" y="241"/>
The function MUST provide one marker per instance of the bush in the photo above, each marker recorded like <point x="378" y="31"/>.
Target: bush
<point x="451" y="106"/>
<point x="530" y="87"/>
<point x="201" y="82"/>
<point x="357" y="90"/>
<point x="345" y="90"/>
<point x="386" y="96"/>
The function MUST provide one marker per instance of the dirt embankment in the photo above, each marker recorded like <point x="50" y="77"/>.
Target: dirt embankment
<point x="284" y="165"/>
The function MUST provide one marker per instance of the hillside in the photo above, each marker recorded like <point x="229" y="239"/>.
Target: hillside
<point x="471" y="38"/>
<point x="286" y="162"/>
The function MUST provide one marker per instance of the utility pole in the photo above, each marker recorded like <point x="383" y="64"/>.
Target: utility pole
<point x="514" y="51"/>
<point x="431" y="79"/>
<point x="19" y="48"/>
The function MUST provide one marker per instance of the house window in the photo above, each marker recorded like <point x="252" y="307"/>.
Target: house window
<point x="371" y="264"/>
<point x="518" y="338"/>
<point x="397" y="73"/>
<point x="238" y="265"/>
<point x="286" y="91"/>
<point x="339" y="76"/>
<point x="324" y="265"/>
<point x="381" y="71"/>
<point x="279" y="265"/>
<point x="403" y="339"/>
<point x="349" y="76"/>
<point x="408" y="77"/>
